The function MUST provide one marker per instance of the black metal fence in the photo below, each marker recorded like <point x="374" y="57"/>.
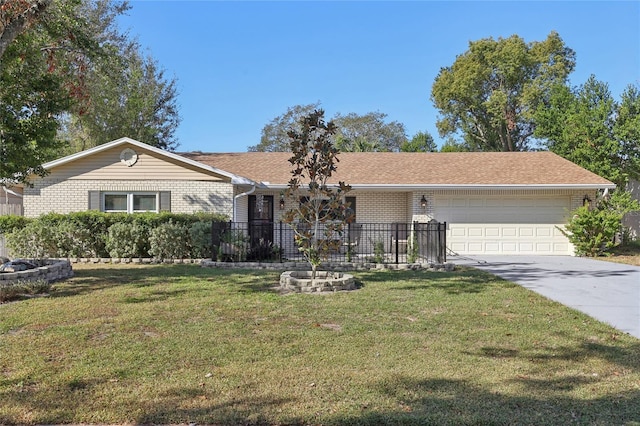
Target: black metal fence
<point x="358" y="243"/>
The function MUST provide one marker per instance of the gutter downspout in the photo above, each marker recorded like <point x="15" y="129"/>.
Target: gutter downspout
<point x="7" y="191"/>
<point x="235" y="201"/>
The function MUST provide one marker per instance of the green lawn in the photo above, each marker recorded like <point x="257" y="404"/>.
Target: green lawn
<point x="182" y="344"/>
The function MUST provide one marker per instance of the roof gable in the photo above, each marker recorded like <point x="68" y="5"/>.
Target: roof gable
<point x="67" y="162"/>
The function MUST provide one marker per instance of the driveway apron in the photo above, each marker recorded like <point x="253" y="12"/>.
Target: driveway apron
<point x="606" y="291"/>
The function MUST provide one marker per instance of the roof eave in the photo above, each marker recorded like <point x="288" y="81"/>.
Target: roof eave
<point x="426" y="187"/>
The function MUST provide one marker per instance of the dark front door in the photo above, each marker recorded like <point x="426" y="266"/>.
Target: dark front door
<point x="261" y="219"/>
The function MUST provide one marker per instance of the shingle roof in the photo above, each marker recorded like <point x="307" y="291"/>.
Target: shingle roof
<point x="411" y="169"/>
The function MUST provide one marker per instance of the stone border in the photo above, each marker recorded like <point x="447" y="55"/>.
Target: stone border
<point x="304" y="266"/>
<point x="301" y="282"/>
<point x="276" y="266"/>
<point x="49" y="270"/>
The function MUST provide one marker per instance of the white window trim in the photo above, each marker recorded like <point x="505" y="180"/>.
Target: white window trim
<point x="130" y="196"/>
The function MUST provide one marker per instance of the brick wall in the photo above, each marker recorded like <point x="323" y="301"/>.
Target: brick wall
<point x="48" y="195"/>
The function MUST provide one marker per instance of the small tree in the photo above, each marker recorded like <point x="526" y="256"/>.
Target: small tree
<point x="592" y="230"/>
<point x="318" y="217"/>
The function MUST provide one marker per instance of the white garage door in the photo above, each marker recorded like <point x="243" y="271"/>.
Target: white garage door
<point x="504" y="225"/>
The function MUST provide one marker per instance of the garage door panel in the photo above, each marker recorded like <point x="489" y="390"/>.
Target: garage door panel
<point x="525" y="232"/>
<point x="543" y="232"/>
<point x="492" y="231"/>
<point x="504" y="225"/>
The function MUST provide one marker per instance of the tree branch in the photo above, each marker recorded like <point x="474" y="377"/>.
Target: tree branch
<point x="16" y="24"/>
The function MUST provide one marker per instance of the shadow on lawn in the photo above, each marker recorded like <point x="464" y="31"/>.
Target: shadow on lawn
<point x="460" y="402"/>
<point x="88" y="280"/>
<point x="463" y="280"/>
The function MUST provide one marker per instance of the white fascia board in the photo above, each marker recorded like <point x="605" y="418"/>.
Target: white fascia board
<point x="237" y="180"/>
<point x="418" y="187"/>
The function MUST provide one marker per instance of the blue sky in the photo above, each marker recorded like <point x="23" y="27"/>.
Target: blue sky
<point x="240" y="64"/>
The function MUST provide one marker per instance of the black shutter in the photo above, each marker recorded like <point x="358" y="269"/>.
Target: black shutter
<point x="165" y="201"/>
<point x="94" y="200"/>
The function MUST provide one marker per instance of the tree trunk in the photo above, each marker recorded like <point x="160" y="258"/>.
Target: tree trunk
<point x="19" y="22"/>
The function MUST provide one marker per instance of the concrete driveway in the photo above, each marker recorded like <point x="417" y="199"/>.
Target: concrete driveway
<point x="609" y="292"/>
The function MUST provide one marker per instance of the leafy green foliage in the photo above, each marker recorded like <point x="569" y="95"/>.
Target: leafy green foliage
<point x="318" y="217"/>
<point x="136" y="100"/>
<point x="127" y="240"/>
<point x="11" y="222"/>
<point x="200" y="233"/>
<point x="97" y="234"/>
<point x="170" y="241"/>
<point x="36" y="240"/>
<point x="368" y="132"/>
<point x="274" y="136"/>
<point x="588" y="127"/>
<point x="421" y="142"/>
<point x="490" y="92"/>
<point x="592" y="231"/>
<point x="354" y="132"/>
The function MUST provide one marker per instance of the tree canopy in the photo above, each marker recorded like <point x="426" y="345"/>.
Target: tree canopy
<point x="66" y="66"/>
<point x="489" y="94"/>
<point x="420" y="142"/>
<point x="354" y="132"/>
<point x="587" y="126"/>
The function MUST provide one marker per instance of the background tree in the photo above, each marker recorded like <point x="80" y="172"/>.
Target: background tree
<point x="354" y="132"/>
<point x="368" y="132"/>
<point x="41" y="72"/>
<point x="16" y="16"/>
<point x="420" y="142"/>
<point x="127" y="93"/>
<point x="319" y="213"/>
<point x="588" y="127"/>
<point x="489" y="94"/>
<point x="452" y="145"/>
<point x="275" y="133"/>
<point x="129" y="96"/>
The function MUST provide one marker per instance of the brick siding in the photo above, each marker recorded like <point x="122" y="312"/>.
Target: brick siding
<point x="49" y="195"/>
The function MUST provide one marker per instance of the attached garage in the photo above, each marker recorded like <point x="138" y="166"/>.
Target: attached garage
<point x="505" y="224"/>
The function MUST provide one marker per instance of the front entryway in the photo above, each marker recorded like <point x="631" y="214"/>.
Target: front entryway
<point x="261" y="219"/>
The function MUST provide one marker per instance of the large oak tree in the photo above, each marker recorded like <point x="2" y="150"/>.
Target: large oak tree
<point x="488" y="96"/>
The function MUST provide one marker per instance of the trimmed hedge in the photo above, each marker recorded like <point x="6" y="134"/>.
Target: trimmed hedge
<point x="97" y="234"/>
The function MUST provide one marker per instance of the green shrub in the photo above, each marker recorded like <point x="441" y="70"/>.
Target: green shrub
<point x="127" y="240"/>
<point x="378" y="251"/>
<point x="200" y="233"/>
<point x="90" y="233"/>
<point x="11" y="222"/>
<point x="74" y="240"/>
<point x="593" y="231"/>
<point x="170" y="241"/>
<point x="36" y="240"/>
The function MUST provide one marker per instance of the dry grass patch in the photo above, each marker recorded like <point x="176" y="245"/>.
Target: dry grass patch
<point x="182" y="344"/>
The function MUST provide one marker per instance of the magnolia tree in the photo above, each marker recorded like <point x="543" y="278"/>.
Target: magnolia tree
<point x="319" y="213"/>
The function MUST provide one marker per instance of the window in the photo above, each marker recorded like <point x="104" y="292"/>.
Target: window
<point x="131" y="202"/>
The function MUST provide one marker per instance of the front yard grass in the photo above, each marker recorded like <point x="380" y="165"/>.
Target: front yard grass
<point x="183" y="344"/>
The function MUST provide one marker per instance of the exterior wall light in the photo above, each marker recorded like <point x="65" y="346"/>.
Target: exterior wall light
<point x="423" y="202"/>
<point x="586" y="201"/>
<point x="281" y="202"/>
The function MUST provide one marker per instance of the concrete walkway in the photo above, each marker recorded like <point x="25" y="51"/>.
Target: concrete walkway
<point x="606" y="291"/>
